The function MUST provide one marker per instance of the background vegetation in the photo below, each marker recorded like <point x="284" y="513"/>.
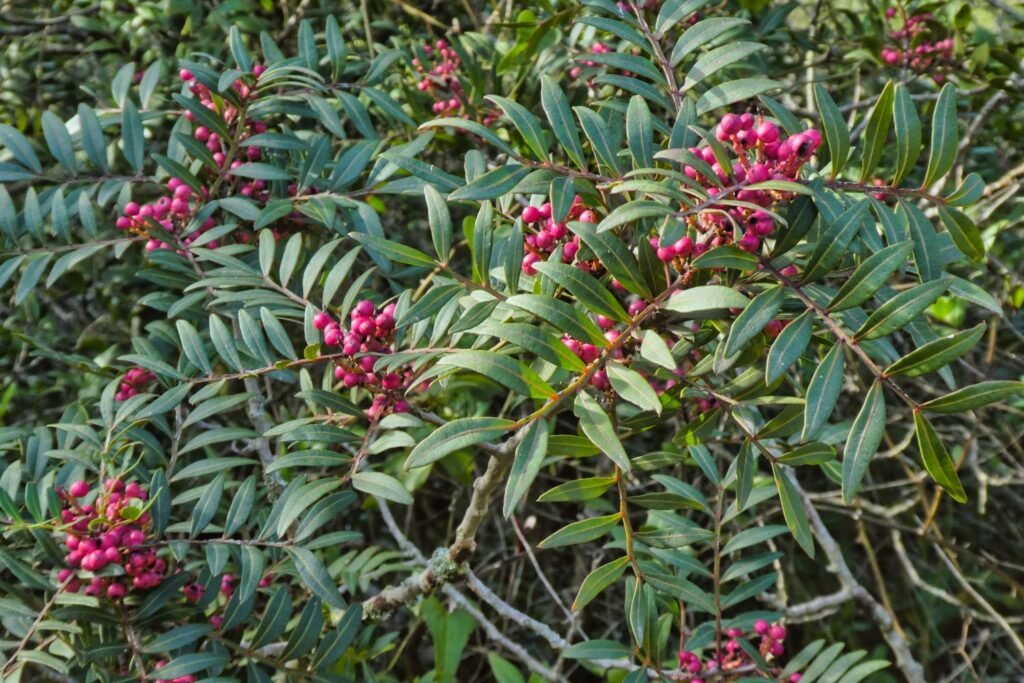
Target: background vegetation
<point x="256" y="462"/>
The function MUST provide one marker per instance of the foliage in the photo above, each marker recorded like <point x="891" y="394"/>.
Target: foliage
<point x="649" y="280"/>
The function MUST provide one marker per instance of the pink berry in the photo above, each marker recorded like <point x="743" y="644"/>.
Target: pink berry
<point x="778" y="632"/>
<point x="79" y="489"/>
<point x="321" y="320"/>
<point x="761" y="627"/>
<point x="531" y="214"/>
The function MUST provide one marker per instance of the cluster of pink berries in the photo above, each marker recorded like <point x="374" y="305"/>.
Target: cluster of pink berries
<point x="439" y="78"/>
<point x="734" y="657"/>
<point x="110" y="531"/>
<point x="548" y="235"/>
<point x="761" y="155"/>
<point x="212" y="141"/>
<point x="934" y="57"/>
<point x="133" y="382"/>
<point x="171" y="212"/>
<point x="189" y="678"/>
<point x="371" y="331"/>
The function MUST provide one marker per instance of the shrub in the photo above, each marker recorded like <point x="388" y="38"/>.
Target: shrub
<point x="317" y="282"/>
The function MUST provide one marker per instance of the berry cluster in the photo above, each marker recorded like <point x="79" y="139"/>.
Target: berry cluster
<point x="917" y="48"/>
<point x="439" y="77"/>
<point x="547" y="235"/>
<point x="133" y="382"/>
<point x="171" y="212"/>
<point x="761" y="155"/>
<point x="189" y="678"/>
<point x="109" y="532"/>
<point x="371" y="331"/>
<point x="175" y="210"/>
<point x="213" y="142"/>
<point x="770" y="647"/>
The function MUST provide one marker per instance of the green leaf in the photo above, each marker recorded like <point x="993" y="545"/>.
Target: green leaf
<point x="834" y="242"/>
<point x="177" y="638"/>
<point x="578" y="490"/>
<point x="503" y="670"/>
<point x="261" y="171"/>
<point x="525" y="122"/>
<point x="714" y="60"/>
<point x="473" y="127"/>
<point x="732" y="91"/>
<point x="581" y="532"/>
<point x="837" y="134"/>
<point x="640" y="132"/>
<point x="708" y="301"/>
<point x="190" y="664"/>
<point x="908" y="133"/>
<point x="614" y="255"/>
<point x="597" y="649"/>
<point x="927" y="248"/>
<point x="793" y="510"/>
<point x="964" y="232"/>
<point x="900" y="310"/>
<point x="383" y="485"/>
<point x="936" y="458"/>
<point x="971" y="190"/>
<point x="674" y="11"/>
<point x="206" y="508"/>
<point x="277" y="334"/>
<point x="945" y="137"/>
<point x="788" y="347"/>
<point x="871" y="275"/>
<point x="937" y="353"/>
<point x="726" y="256"/>
<point x="19" y="146"/>
<point x="601" y="139"/>
<point x="748" y="324"/>
<point x="535" y="340"/>
<point x="597" y="427"/>
<point x="504" y="370"/>
<point x="632" y="212"/>
<point x="823" y="392"/>
<point x="974" y="396"/>
<point x="440" y="222"/>
<point x="30" y="277"/>
<point x="394" y="251"/>
<point x="809" y="454"/>
<point x="597" y="580"/>
<point x="132" y="140"/>
<point x="653" y="349"/>
<point x="315" y="577"/>
<point x="525" y="465"/>
<point x="556" y="107"/>
<point x="701" y="34"/>
<point x="563" y="316"/>
<point x="58" y="140"/>
<point x="587" y="290"/>
<point x="491" y="185"/>
<point x="753" y="536"/>
<point x="193" y="347"/>
<point x="876" y="132"/>
<point x="93" y="141"/>
<point x="863" y="670"/>
<point x="455" y="435"/>
<point x="633" y="387"/>
<point x="862" y="444"/>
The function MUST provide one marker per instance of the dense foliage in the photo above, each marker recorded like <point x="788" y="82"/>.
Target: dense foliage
<point x="610" y="341"/>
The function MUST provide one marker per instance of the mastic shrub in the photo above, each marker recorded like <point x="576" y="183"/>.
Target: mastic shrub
<point x="609" y="341"/>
